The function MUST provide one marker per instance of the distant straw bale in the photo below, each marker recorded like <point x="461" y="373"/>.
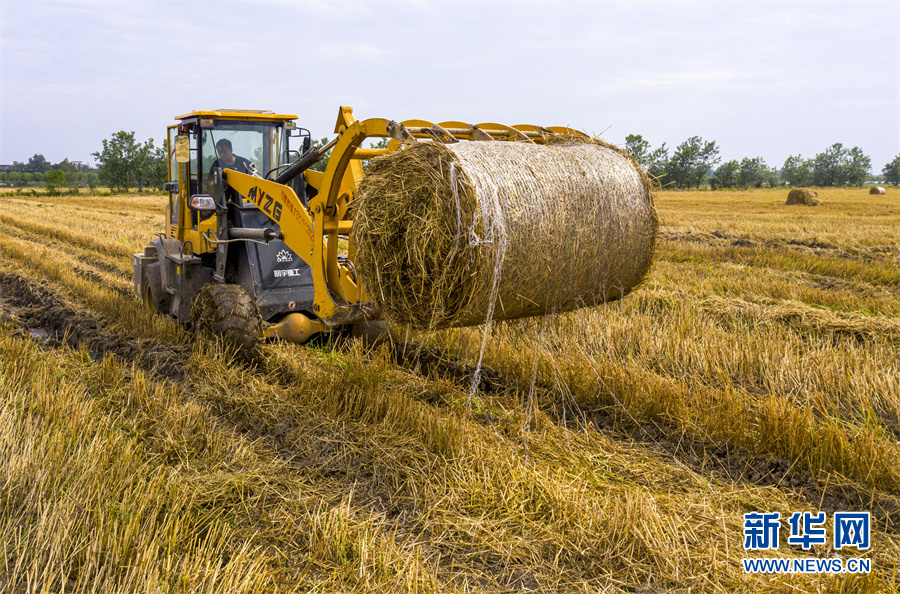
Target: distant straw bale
<point x="450" y="235"/>
<point x="803" y="196"/>
<point x="878" y="190"/>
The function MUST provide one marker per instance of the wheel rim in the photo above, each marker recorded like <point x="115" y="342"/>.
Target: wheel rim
<point x="148" y="299"/>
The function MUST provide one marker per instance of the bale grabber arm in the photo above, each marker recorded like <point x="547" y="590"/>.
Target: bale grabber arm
<point x="320" y="231"/>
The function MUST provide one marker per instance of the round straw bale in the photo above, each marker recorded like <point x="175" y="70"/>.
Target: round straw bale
<point x="877" y="190"/>
<point x="803" y="196"/>
<point x="451" y="235"/>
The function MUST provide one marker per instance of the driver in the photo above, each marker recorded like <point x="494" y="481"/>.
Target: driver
<point x="228" y="160"/>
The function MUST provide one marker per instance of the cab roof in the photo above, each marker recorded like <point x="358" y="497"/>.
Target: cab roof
<point x="258" y="115"/>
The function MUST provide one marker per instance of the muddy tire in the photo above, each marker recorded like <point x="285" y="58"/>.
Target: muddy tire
<point x="226" y="312"/>
<point x="155" y="297"/>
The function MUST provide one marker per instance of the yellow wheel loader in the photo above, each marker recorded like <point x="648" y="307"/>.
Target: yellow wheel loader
<point x="256" y="243"/>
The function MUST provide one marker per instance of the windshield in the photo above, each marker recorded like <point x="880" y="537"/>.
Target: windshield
<point x="230" y="145"/>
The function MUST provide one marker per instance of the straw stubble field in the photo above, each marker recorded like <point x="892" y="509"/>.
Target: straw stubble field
<point x="609" y="449"/>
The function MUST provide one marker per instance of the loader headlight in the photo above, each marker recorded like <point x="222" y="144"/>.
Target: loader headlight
<point x="202" y="203"/>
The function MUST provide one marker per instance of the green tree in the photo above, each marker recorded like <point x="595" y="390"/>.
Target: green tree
<point x="659" y="163"/>
<point x="828" y="166"/>
<point x="797" y="171"/>
<point x="692" y="161"/>
<point x="772" y="177"/>
<point x="68" y="168"/>
<point x="37" y="164"/>
<point x="15" y="177"/>
<point x="838" y="166"/>
<point x="27" y="178"/>
<point x="56" y="179"/>
<point x="753" y="173"/>
<point x="891" y="171"/>
<point x="159" y="168"/>
<point x="726" y="175"/>
<point x="639" y="149"/>
<point x="145" y="166"/>
<point x="119" y="161"/>
<point x="858" y="166"/>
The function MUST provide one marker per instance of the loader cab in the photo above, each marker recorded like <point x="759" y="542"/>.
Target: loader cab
<point x="275" y="277"/>
<point x="263" y="138"/>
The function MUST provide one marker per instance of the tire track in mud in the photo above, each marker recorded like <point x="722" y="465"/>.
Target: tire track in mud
<point x="826" y="265"/>
<point x="726" y="463"/>
<point x="47" y="318"/>
<point x="42" y="313"/>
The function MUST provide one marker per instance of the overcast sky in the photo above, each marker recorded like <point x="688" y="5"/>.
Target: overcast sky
<point x="768" y="79"/>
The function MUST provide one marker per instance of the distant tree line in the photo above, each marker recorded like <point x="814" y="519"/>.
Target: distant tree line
<point x="39" y="164"/>
<point x="39" y="171"/>
<point x="694" y="163"/>
<point x="125" y="163"/>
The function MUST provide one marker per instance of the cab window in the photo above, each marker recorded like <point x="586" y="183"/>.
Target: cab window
<point x="229" y="144"/>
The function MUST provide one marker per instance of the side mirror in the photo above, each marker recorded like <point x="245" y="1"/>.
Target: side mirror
<point x="307" y="144"/>
<point x="182" y="149"/>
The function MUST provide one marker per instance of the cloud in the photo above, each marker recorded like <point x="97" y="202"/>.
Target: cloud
<point x="667" y="70"/>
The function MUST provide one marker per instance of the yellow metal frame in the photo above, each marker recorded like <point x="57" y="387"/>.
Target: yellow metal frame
<point x="239" y="115"/>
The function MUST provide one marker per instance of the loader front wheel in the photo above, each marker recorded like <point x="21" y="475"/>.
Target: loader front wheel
<point x="226" y="312"/>
<point x="155" y="297"/>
